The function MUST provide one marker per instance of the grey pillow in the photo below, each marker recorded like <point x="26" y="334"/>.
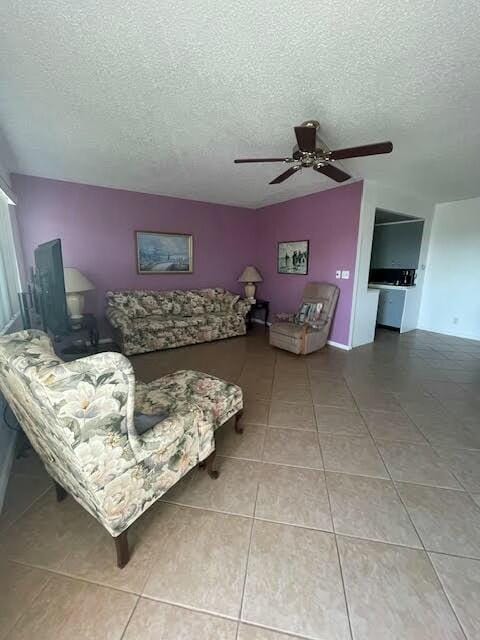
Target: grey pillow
<point x="145" y="421"/>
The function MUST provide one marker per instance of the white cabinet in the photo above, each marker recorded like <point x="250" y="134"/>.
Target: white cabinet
<point x="397" y="306"/>
<point x="390" y="308"/>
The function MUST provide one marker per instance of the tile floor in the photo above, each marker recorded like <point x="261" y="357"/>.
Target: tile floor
<point x="348" y="509"/>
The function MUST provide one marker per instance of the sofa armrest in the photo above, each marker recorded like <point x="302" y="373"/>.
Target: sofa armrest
<point x="119" y="319"/>
<point x="242" y="306"/>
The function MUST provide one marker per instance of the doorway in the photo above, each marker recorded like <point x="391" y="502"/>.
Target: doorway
<point x="394" y="261"/>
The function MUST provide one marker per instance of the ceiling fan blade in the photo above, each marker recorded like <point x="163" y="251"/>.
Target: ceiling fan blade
<point x="260" y="160"/>
<point x="365" y="150"/>
<point x="306" y="138"/>
<point x="286" y="174"/>
<point x="333" y="172"/>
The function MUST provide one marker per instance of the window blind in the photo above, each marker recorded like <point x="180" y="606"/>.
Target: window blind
<point x="9" y="274"/>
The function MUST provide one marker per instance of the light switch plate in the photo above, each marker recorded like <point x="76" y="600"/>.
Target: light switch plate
<point x="338" y="274"/>
<point x="345" y="275"/>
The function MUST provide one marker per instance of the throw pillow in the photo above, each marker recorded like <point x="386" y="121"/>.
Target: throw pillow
<point x="309" y="313"/>
<point x="144" y="422"/>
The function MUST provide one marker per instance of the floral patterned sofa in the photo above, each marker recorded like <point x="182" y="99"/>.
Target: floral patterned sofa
<point x="79" y="417"/>
<point x="150" y="320"/>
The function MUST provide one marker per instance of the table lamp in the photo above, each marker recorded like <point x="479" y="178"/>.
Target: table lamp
<point x="75" y="286"/>
<point x="249" y="276"/>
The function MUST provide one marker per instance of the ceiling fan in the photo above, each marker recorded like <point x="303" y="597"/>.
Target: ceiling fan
<point x="311" y="151"/>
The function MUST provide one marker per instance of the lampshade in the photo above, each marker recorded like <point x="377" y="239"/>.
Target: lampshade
<point x="75" y="281"/>
<point x="250" y="274"/>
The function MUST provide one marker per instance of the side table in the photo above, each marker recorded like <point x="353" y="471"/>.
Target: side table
<point x="263" y="305"/>
<point x="82" y="340"/>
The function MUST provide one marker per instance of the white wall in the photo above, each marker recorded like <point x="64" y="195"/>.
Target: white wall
<point x="377" y="196"/>
<point x="452" y="281"/>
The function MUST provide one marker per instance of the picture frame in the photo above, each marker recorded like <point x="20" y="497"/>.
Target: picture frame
<point x="164" y="253"/>
<point x="293" y="257"/>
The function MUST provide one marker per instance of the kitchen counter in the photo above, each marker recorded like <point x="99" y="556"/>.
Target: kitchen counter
<point x="394" y="287"/>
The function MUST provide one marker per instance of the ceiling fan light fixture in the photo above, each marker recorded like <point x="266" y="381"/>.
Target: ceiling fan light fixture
<point x="307" y="160"/>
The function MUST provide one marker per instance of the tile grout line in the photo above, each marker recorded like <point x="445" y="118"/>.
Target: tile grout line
<point x="425" y="552"/>
<point x="391" y="478"/>
<point x="440" y="581"/>
<point x="70" y="576"/>
<point x="340" y="568"/>
<point x="134" y="608"/>
<point x="30" y="506"/>
<point x="47" y="582"/>
<point x="242" y="599"/>
<point x="434" y="447"/>
<point x="429" y="441"/>
<point x="187" y="607"/>
<point x="172" y="603"/>
<point x="309" y="528"/>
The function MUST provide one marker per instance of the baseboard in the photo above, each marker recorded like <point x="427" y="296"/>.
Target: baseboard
<point x="339" y="345"/>
<point x="465" y="336"/>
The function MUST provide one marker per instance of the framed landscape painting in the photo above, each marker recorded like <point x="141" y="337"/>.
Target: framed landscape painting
<point x="292" y="257"/>
<point x="164" y="252"/>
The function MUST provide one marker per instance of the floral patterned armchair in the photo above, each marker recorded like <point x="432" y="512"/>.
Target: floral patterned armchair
<point x="79" y="417"/>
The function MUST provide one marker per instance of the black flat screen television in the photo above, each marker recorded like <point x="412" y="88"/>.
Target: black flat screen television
<point x="50" y="286"/>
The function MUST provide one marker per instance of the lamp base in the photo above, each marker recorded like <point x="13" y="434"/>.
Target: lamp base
<point x="75" y="303"/>
<point x="250" y="290"/>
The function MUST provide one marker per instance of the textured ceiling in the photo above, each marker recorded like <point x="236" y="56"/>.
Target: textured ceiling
<point x="162" y="96"/>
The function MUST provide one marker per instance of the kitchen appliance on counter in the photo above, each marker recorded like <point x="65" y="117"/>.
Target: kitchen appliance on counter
<point x="396" y="277"/>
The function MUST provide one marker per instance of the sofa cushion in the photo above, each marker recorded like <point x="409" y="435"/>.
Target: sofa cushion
<point x="289" y="329"/>
<point x="177" y="391"/>
<point x="160" y="323"/>
<point x="154" y="322"/>
<point x="189" y="322"/>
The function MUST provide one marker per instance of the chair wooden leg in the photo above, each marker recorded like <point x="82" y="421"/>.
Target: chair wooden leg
<point x="238" y="426"/>
<point x="60" y="492"/>
<point x="210" y="462"/>
<point x="121" y="546"/>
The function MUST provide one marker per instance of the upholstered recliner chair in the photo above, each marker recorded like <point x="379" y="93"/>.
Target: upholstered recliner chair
<point x="79" y="417"/>
<point x="303" y="335"/>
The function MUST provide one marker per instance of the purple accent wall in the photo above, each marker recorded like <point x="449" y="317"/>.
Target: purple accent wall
<point x="96" y="226"/>
<point x="330" y="221"/>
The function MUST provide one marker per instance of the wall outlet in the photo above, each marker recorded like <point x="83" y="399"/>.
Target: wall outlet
<point x="338" y="274"/>
<point x="455" y="321"/>
<point x="345" y="275"/>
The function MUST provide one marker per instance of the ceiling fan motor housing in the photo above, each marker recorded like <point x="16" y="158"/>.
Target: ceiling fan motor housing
<point x="311" y="123"/>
